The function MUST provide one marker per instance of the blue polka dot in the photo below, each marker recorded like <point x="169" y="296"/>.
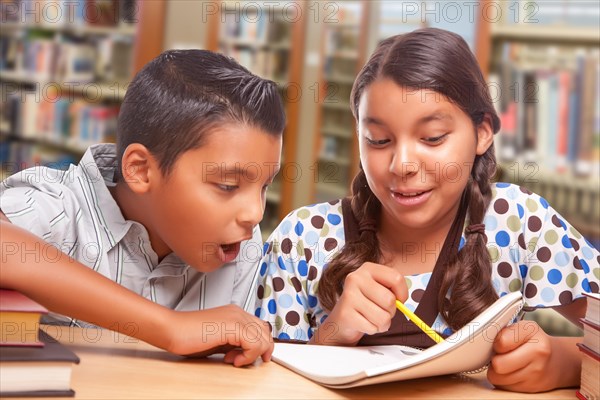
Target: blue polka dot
<point x="302" y="268"/>
<point x="281" y="263"/>
<point x="272" y="306"/>
<point x="566" y="242"/>
<point x="312" y="301"/>
<point x="587" y="252"/>
<point x="323" y="318"/>
<point x="496" y="284"/>
<point x="272" y="269"/>
<point x="265" y="248"/>
<point x="462" y="243"/>
<point x="544" y="202"/>
<point x="562" y="223"/>
<point x="299" y="300"/>
<point x="425" y="279"/>
<point x="523" y="269"/>
<point x="299" y="228"/>
<point x="547" y="294"/>
<point x="285" y="301"/>
<point x="554" y="276"/>
<point x="491" y="223"/>
<point x="340" y="234"/>
<point x="585" y="266"/>
<point x="512" y="193"/>
<point x="447" y="332"/>
<point x="311" y="238"/>
<point x="585" y="285"/>
<point x="263" y="269"/>
<point x="410" y="306"/>
<point x="502" y="238"/>
<point x="259" y="313"/>
<point x="514" y="254"/>
<point x="520" y="210"/>
<point x="310" y="334"/>
<point x="285" y="227"/>
<point x="334" y="219"/>
<point x="562" y="258"/>
<point x="323" y="208"/>
<point x="283" y="336"/>
<point x="502" y="185"/>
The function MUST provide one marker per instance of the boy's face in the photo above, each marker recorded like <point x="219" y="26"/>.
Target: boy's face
<point x="417" y="150"/>
<point x="215" y="195"/>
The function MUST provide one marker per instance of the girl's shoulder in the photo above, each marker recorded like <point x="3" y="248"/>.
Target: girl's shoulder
<point x="508" y="198"/>
<point x="324" y="219"/>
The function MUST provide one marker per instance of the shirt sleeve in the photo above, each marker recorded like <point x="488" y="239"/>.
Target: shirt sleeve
<point x="290" y="269"/>
<point x="43" y="207"/>
<point x="547" y="258"/>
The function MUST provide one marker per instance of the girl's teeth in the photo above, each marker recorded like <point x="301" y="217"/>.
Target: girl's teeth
<point x="410" y="194"/>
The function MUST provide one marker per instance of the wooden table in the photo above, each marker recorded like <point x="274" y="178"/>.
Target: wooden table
<point x="114" y="366"/>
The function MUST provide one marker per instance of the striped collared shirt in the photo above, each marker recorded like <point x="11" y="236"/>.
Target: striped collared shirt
<point x="74" y="211"/>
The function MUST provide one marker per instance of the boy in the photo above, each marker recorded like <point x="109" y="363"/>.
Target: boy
<point x="157" y="237"/>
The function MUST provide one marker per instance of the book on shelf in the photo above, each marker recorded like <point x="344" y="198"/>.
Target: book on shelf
<point x="19" y="319"/>
<point x="549" y="105"/>
<point x="468" y="349"/>
<point x="37" y="371"/>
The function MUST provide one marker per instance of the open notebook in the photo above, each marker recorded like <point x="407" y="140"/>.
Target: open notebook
<point x="468" y="349"/>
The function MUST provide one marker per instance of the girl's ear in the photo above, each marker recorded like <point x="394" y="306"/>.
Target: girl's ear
<point x="139" y="168"/>
<point x="485" y="135"/>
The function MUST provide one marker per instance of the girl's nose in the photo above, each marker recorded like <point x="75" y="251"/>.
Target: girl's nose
<point x="404" y="161"/>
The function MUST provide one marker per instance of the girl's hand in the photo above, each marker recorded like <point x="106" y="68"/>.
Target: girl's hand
<point x="227" y="329"/>
<point x="528" y="360"/>
<point x="367" y="305"/>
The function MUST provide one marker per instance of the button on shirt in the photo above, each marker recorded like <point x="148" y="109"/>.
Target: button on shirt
<point x="74" y="211"/>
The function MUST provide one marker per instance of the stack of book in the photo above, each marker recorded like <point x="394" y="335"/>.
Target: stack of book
<point x="32" y="363"/>
<point x="590" y="347"/>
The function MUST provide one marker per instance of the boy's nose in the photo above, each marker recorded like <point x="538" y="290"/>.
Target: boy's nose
<point x="251" y="212"/>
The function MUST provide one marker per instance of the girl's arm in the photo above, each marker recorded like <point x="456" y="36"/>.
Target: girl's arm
<point x="529" y="360"/>
<point x="68" y="287"/>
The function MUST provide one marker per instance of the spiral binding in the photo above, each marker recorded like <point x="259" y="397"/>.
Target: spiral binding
<point x="512" y="319"/>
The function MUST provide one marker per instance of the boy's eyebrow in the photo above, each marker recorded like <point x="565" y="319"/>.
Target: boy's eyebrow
<point x="252" y="172"/>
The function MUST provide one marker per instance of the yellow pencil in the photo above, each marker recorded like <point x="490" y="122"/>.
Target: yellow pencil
<point x="419" y="322"/>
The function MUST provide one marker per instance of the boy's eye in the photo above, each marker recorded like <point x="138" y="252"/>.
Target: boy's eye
<point x="377" y="143"/>
<point x="227" y="188"/>
<point x="435" y="139"/>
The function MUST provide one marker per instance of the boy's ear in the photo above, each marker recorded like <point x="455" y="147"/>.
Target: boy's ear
<point x="139" y="168"/>
<point x="485" y="135"/>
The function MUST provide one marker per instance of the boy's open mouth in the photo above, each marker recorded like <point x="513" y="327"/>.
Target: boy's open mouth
<point x="229" y="251"/>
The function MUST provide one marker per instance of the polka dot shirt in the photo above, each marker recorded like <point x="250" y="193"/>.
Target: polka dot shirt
<point x="532" y="249"/>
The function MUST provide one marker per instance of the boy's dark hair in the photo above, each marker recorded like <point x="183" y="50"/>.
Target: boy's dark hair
<point x="437" y="60"/>
<point x="181" y="95"/>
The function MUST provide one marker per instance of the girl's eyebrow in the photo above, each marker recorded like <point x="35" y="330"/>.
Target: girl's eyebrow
<point x="435" y="116"/>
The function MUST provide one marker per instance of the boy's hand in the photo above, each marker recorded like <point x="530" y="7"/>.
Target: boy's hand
<point x="528" y="360"/>
<point x="227" y="329"/>
<point x="367" y="305"/>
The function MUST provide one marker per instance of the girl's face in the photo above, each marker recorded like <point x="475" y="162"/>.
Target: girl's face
<point x="215" y="196"/>
<point x="417" y="149"/>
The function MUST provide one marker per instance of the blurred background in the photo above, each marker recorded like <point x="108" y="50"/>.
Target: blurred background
<point x="65" y="66"/>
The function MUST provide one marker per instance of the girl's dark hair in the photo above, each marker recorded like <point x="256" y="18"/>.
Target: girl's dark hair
<point x="437" y="60"/>
<point x="181" y="95"/>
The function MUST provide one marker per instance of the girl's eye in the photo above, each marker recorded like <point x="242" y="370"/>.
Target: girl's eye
<point x="436" y="139"/>
<point x="227" y="188"/>
<point x="377" y="143"/>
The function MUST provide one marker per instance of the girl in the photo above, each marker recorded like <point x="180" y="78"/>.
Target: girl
<point x="157" y="236"/>
<point x="425" y="225"/>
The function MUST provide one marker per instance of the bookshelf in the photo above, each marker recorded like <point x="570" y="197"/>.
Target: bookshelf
<point x="64" y="71"/>
<point x="268" y="39"/>
<point x="343" y="53"/>
<point x="542" y="65"/>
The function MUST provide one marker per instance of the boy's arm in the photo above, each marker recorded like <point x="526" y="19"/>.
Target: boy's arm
<point x="65" y="286"/>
